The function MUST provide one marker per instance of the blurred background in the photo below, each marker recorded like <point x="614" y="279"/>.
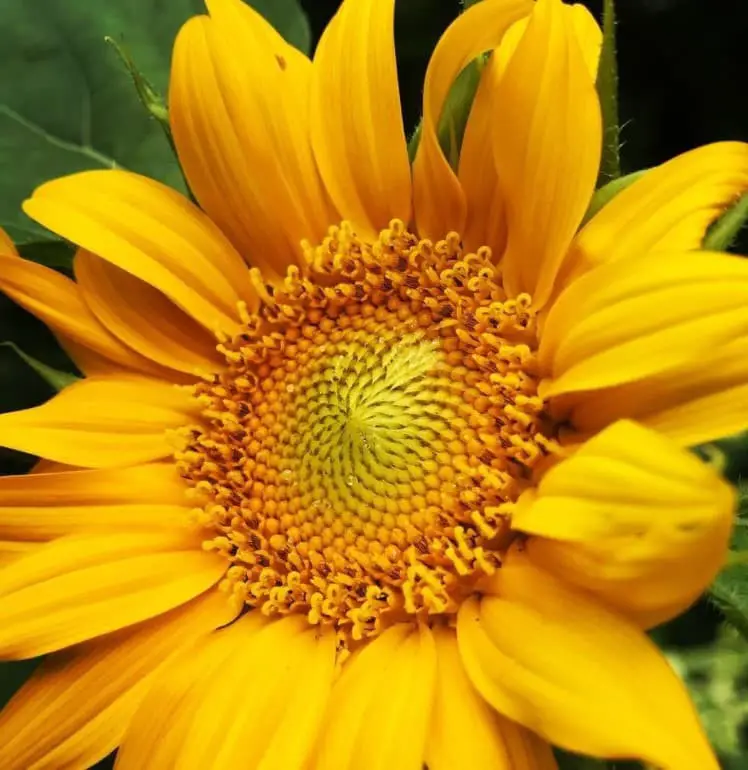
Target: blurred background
<point x="681" y="85"/>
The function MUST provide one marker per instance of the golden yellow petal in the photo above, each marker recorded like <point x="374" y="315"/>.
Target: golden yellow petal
<point x="699" y="402"/>
<point x="42" y="506"/>
<point x="40" y="524"/>
<point x="588" y="35"/>
<point x="642" y="317"/>
<point x="380" y="707"/>
<point x="56" y="300"/>
<point x="356" y="121"/>
<point x="143" y="318"/>
<point x="82" y="586"/>
<point x="464" y="731"/>
<point x="527" y="751"/>
<point x="439" y="201"/>
<point x="157" y="483"/>
<point x="75" y="708"/>
<point x="101" y="422"/>
<point x="280" y="672"/>
<point x="582" y="677"/>
<point x="12" y="549"/>
<point x="547" y="143"/>
<point x="633" y="519"/>
<point x="7" y="247"/>
<point x="667" y="209"/>
<point x="166" y="717"/>
<point x="485" y="223"/>
<point x="153" y="232"/>
<point x="241" y="126"/>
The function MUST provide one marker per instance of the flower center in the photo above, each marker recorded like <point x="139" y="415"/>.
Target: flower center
<point x="378" y="418"/>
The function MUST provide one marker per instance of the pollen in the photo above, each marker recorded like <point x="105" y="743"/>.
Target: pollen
<point x="360" y="456"/>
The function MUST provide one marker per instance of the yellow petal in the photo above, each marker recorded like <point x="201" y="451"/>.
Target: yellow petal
<point x="56" y="301"/>
<point x="356" y="123"/>
<point x="486" y="216"/>
<point x="485" y="223"/>
<point x="547" y="142"/>
<point x="642" y="316"/>
<point x="577" y="674"/>
<point x="288" y="673"/>
<point x="12" y="549"/>
<point x="527" y="751"/>
<point x="697" y="403"/>
<point x="380" y="707"/>
<point x="39" y="507"/>
<point x="440" y="205"/>
<point x="94" y="365"/>
<point x="7" y="247"/>
<point x="157" y="483"/>
<point x="158" y="730"/>
<point x="634" y="519"/>
<point x="668" y="209"/>
<point x="241" y="126"/>
<point x="75" y="708"/>
<point x="154" y="233"/>
<point x="40" y="524"/>
<point x="101" y="422"/>
<point x="143" y="318"/>
<point x="588" y="34"/>
<point x="256" y="700"/>
<point x="82" y="586"/>
<point x="466" y="732"/>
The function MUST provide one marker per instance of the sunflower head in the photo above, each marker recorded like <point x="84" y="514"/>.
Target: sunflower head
<point x="376" y="421"/>
<point x="375" y="464"/>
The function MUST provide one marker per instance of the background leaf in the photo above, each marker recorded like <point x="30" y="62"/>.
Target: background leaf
<point x="52" y="253"/>
<point x="55" y="378"/>
<point x="717" y="677"/>
<point x="729" y="591"/>
<point x="66" y="102"/>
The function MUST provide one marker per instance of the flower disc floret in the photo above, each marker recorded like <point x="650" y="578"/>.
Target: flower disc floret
<point x="376" y="422"/>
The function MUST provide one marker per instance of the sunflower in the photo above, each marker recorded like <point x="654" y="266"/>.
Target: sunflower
<point x="372" y="466"/>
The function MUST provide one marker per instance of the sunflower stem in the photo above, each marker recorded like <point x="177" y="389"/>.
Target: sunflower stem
<point x="607" y="89"/>
<point x="150" y="98"/>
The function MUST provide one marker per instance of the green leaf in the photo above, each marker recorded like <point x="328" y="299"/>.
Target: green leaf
<point x="607" y="89"/>
<point x="716" y="676"/>
<point x="67" y="105"/>
<point x="454" y="117"/>
<point x="729" y="592"/>
<point x="723" y="233"/>
<point x="603" y="195"/>
<point x="53" y="377"/>
<point x="414" y="141"/>
<point x="56" y="254"/>
<point x="569" y="761"/>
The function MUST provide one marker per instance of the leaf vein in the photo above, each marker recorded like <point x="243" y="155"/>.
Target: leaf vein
<point x="81" y="149"/>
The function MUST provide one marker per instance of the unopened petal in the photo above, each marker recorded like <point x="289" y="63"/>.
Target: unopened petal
<point x="584" y="678"/>
<point x="633" y="519"/>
